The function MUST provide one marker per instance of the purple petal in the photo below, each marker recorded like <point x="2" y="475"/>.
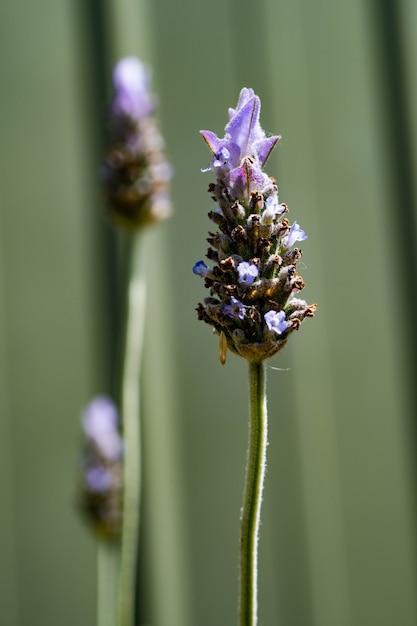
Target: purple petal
<point x="227" y="156"/>
<point x="211" y="139"/>
<point x="246" y="93"/>
<point x="273" y="208"/>
<point x="244" y="128"/>
<point x="236" y="181"/>
<point x="264" y="147"/>
<point x="296" y="234"/>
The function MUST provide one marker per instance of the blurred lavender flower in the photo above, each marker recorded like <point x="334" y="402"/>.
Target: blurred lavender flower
<point x="135" y="173"/>
<point x="102" y="466"/>
<point x="254" y="279"/>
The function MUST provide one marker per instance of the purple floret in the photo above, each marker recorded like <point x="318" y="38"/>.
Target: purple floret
<point x="276" y="322"/>
<point x="235" y="309"/>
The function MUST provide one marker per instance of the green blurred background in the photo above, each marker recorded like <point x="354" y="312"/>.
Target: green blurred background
<point x="338" y="539"/>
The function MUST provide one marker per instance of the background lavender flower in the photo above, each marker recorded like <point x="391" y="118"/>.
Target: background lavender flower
<point x="254" y="279"/>
<point x="135" y="172"/>
<point x="101" y="466"/>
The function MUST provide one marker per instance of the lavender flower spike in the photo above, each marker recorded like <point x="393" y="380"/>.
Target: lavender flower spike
<point x="101" y="467"/>
<point x="251" y="303"/>
<point x="254" y="278"/>
<point x="135" y="173"/>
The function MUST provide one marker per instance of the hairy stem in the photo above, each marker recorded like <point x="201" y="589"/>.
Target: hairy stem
<point x="252" y="497"/>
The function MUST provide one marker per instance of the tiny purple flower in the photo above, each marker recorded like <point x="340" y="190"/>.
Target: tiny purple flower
<point x="235" y="309"/>
<point x="201" y="269"/>
<point x="276" y="322"/>
<point x="296" y="234"/>
<point x="273" y="208"/>
<point x="100" y="421"/>
<point x="131" y="82"/>
<point x="247" y="273"/>
<point x="221" y="157"/>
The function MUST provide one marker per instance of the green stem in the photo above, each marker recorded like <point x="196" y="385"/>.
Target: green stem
<point x="130" y="411"/>
<point x="252" y="497"/>
<point x="108" y="571"/>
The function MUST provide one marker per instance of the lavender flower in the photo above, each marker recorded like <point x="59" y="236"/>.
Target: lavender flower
<point x="201" y="269"/>
<point x="135" y="173"/>
<point x="102" y="466"/>
<point x="254" y="279"/>
<point x="276" y="322"/>
<point x="295" y="234"/>
<point x="235" y="309"/>
<point x="272" y="209"/>
<point x="247" y="273"/>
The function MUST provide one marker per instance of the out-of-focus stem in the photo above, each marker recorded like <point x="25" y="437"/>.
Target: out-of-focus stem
<point x="130" y="411"/>
<point x="108" y="571"/>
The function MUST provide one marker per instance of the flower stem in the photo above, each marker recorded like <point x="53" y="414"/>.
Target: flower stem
<point x="252" y="497"/>
<point x="108" y="572"/>
<point x="130" y="411"/>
